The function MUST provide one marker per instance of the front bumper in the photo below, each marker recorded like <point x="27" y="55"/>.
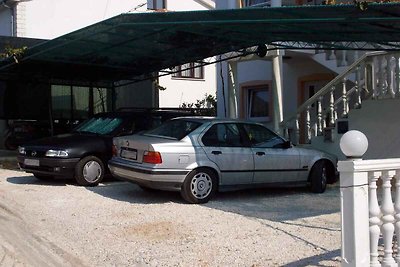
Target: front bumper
<point x="162" y="179"/>
<point x="56" y="167"/>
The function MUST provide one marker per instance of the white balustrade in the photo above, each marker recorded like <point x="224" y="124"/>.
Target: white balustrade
<point x="381" y="217"/>
<point x="375" y="74"/>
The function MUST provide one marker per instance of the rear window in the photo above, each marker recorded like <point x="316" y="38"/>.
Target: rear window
<point x="100" y="125"/>
<point x="174" y="129"/>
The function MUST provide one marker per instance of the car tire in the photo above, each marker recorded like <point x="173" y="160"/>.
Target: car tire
<point x="43" y="177"/>
<point x="199" y="186"/>
<point x="9" y="143"/>
<point x="319" y="177"/>
<point x="89" y="171"/>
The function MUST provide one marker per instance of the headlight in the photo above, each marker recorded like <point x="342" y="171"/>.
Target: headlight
<point x="21" y="150"/>
<point x="57" y="153"/>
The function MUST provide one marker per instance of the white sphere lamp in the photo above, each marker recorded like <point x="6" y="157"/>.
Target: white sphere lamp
<point x="354" y="144"/>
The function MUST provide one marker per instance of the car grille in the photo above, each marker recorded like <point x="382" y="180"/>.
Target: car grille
<point x="35" y="153"/>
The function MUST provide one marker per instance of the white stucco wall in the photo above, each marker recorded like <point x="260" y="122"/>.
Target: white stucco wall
<point x="48" y="19"/>
<point x="293" y="69"/>
<point x="181" y="91"/>
<point x="187" y="90"/>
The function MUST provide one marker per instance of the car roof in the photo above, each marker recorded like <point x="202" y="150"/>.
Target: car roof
<point x="204" y="119"/>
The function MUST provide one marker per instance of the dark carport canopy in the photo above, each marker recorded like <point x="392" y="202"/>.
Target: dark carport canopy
<point x="132" y="45"/>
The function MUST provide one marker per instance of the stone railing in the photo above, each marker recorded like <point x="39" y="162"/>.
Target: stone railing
<point x="370" y="215"/>
<point x="375" y="75"/>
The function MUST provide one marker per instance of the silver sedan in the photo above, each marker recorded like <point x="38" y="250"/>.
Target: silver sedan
<point x="199" y="156"/>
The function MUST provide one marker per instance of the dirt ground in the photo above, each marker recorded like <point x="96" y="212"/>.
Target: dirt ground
<point x="57" y="223"/>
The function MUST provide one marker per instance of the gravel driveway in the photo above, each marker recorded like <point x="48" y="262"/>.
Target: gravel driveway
<point x="117" y="224"/>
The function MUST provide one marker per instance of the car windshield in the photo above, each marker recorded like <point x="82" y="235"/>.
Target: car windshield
<point x="174" y="129"/>
<point x="99" y="125"/>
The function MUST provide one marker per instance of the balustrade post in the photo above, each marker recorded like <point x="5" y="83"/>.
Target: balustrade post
<point x="319" y="116"/>
<point x="387" y="220"/>
<point x="332" y="114"/>
<point x="374" y="88"/>
<point x="344" y="99"/>
<point x="396" y="75"/>
<point x="357" y="86"/>
<point x="297" y="129"/>
<point x="374" y="219"/>
<point x="308" y="125"/>
<point x="354" y="201"/>
<point x="389" y="76"/>
<point x="381" y="83"/>
<point x="397" y="214"/>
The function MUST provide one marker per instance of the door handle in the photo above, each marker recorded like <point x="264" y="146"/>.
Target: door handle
<point x="216" y="152"/>
<point x="259" y="153"/>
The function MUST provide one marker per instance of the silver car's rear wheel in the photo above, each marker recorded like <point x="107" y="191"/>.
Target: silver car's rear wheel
<point x="199" y="186"/>
<point x="89" y="171"/>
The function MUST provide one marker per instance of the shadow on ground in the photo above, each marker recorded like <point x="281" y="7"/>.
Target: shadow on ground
<point x="279" y="204"/>
<point x="128" y="192"/>
<point x="318" y="260"/>
<point x="34" y="181"/>
<point x="276" y="204"/>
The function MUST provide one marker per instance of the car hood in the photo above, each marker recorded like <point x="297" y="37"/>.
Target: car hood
<point x="67" y="141"/>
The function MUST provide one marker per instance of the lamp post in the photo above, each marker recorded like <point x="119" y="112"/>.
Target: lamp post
<point x="354" y="201"/>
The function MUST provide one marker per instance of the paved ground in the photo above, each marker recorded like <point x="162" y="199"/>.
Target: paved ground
<point x="117" y="224"/>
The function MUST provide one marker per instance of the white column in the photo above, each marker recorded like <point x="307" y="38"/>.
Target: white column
<point x="233" y="89"/>
<point x="354" y="214"/>
<point x="222" y="89"/>
<point x="277" y="82"/>
<point x="354" y="201"/>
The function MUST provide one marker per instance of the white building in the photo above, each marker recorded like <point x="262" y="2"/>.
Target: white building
<point x="273" y="90"/>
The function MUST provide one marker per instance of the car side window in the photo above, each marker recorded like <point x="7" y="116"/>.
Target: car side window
<point x="223" y="135"/>
<point x="262" y="137"/>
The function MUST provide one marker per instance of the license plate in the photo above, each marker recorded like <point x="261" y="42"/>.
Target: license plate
<point x="129" y="153"/>
<point x="31" y="162"/>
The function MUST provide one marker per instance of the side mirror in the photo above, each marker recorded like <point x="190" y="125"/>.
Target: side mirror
<point x="284" y="145"/>
<point x="287" y="145"/>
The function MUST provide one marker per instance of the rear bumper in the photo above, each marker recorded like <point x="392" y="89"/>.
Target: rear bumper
<point x="59" y="168"/>
<point x="163" y="179"/>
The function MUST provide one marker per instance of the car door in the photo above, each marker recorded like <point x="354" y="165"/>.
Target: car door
<point x="275" y="161"/>
<point x="224" y="144"/>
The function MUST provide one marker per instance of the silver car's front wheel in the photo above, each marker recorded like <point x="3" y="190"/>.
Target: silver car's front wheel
<point x="199" y="186"/>
<point x="319" y="177"/>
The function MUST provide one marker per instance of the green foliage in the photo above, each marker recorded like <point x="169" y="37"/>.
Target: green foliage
<point x="209" y="101"/>
<point x="15" y="53"/>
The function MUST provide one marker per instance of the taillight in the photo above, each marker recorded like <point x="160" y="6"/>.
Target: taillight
<point x="114" y="150"/>
<point x="152" y="157"/>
